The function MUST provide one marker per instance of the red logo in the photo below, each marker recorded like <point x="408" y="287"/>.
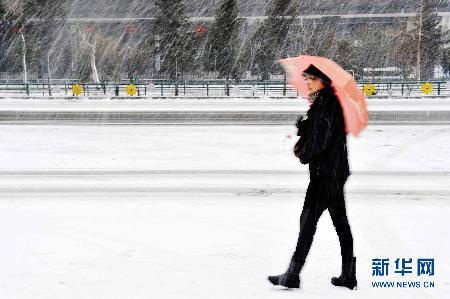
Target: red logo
<point x="17" y="29"/>
<point x="130" y="29"/>
<point x="90" y="29"/>
<point x="201" y="29"/>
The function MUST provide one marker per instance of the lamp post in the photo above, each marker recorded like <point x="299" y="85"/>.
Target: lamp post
<point x="49" y="75"/>
<point x="419" y="41"/>
<point x="176" y="77"/>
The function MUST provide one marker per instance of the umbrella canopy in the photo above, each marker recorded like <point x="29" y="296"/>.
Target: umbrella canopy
<point x="351" y="98"/>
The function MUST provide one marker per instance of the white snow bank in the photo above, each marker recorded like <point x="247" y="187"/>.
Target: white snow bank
<point x="209" y="104"/>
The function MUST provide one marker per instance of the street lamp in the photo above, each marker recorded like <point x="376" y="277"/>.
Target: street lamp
<point x="420" y="40"/>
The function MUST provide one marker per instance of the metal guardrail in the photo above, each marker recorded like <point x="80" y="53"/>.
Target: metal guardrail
<point x="206" y="88"/>
<point x="408" y="88"/>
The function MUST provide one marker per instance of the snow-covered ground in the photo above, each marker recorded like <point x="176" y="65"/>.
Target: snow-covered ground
<point x="206" y="246"/>
<point x="210" y="104"/>
<point x="208" y="211"/>
<point x="134" y="147"/>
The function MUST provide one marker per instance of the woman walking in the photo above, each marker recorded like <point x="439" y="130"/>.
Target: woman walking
<point x="322" y="145"/>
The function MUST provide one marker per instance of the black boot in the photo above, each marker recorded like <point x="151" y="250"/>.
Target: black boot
<point x="348" y="275"/>
<point x="291" y="278"/>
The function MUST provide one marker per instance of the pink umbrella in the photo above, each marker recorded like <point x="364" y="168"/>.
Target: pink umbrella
<point x="350" y="97"/>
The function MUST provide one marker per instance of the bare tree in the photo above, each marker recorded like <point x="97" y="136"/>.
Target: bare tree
<point x="92" y="45"/>
<point x="24" y="57"/>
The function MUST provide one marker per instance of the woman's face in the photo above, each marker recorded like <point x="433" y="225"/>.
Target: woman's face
<point x="314" y="84"/>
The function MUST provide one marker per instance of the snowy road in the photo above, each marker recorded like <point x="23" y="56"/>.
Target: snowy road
<point x="205" y="246"/>
<point x="418" y="184"/>
<point x="194" y="148"/>
<point x="208" y="211"/>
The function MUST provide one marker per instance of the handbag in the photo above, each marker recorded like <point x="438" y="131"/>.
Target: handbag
<point x="298" y="146"/>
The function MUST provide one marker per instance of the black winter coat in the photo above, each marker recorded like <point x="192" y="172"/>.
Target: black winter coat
<point x="323" y="138"/>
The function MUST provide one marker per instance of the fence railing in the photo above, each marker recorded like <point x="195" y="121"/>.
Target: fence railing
<point x="207" y="88"/>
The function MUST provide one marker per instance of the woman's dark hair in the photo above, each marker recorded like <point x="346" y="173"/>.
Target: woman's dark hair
<point x="313" y="71"/>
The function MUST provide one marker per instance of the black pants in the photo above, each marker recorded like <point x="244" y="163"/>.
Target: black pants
<point x="324" y="193"/>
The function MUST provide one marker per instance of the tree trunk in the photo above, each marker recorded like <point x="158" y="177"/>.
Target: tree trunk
<point x="24" y="58"/>
<point x="49" y="74"/>
<point x="93" y="52"/>
<point x="93" y="64"/>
